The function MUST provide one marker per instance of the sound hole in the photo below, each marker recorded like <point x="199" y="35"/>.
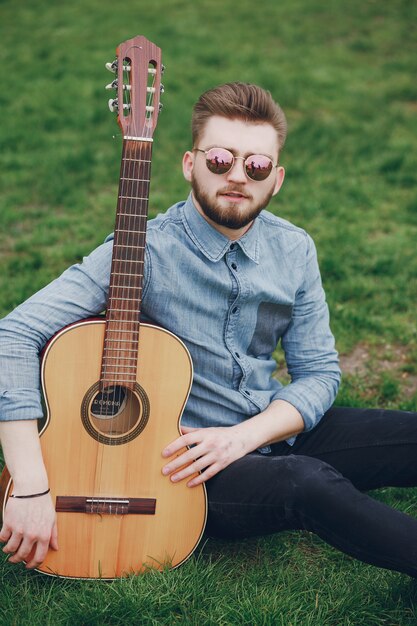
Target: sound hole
<point x="116" y="415"/>
<point x="109" y="403"/>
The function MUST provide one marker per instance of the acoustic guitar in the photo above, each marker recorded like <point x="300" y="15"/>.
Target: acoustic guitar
<point x="115" y="389"/>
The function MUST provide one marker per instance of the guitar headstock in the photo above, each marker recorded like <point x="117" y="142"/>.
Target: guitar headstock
<point x="138" y="72"/>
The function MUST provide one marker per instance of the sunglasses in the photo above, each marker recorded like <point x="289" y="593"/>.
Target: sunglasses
<point x="220" y="161"/>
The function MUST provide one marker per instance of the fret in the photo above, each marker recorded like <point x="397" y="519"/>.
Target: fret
<point x="112" y="320"/>
<point x="130" y="230"/>
<point x="136" y="160"/>
<point x="132" y="198"/>
<point x="115" y="310"/>
<point x="136" y="180"/>
<point x="129" y="341"/>
<point x="144" y="215"/>
<point x="120" y="373"/>
<point x="125" y="245"/>
<point x="124" y="350"/>
<point x="126" y="274"/>
<point x="123" y="287"/>
<point x="124" y="299"/>
<point x="132" y="359"/>
<point x="120" y="330"/>
<point x="109" y="372"/>
<point x="119" y="378"/>
<point x="129" y="260"/>
<point x="123" y="358"/>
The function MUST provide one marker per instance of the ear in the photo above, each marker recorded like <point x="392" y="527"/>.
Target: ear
<point x="187" y="165"/>
<point x="280" y="175"/>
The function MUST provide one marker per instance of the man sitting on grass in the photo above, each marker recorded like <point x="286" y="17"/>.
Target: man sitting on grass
<point x="231" y="280"/>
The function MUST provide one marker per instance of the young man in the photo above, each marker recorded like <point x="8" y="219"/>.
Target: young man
<point x="230" y="280"/>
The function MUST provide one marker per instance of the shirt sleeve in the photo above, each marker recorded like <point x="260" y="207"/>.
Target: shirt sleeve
<point x="309" y="348"/>
<point x="80" y="292"/>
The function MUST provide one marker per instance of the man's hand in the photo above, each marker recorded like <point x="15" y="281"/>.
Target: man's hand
<point x="29" y="530"/>
<point x="212" y="450"/>
<point x="215" y="448"/>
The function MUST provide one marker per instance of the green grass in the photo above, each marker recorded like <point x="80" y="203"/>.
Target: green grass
<point x="345" y="75"/>
<point x="294" y="581"/>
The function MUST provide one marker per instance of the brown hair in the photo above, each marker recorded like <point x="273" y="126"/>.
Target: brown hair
<point x="242" y="101"/>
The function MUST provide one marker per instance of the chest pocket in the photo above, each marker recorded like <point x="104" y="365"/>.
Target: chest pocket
<point x="271" y="323"/>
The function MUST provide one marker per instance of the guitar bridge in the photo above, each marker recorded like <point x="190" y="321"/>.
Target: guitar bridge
<point x="105" y="506"/>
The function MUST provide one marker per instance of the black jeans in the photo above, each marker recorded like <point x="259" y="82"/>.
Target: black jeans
<point x="318" y="485"/>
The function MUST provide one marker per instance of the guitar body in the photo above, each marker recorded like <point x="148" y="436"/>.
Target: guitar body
<point x="110" y="542"/>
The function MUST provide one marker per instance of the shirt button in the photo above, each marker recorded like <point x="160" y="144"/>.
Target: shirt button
<point x="237" y="355"/>
<point x="235" y="309"/>
<point x="232" y="246"/>
<point x="234" y="266"/>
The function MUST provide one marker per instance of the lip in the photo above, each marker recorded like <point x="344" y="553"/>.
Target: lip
<point x="233" y="196"/>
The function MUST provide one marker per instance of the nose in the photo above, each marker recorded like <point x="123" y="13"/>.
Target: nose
<point x="237" y="173"/>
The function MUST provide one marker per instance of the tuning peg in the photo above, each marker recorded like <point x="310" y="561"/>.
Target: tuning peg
<point x="114" y="105"/>
<point x="115" y="83"/>
<point x="112" y="67"/>
<point x="162" y="69"/>
<point x="161" y="88"/>
<point x="161" y="106"/>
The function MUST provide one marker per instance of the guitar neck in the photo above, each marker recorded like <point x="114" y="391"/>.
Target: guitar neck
<point x="120" y="352"/>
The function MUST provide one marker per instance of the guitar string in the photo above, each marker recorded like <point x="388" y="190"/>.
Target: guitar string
<point x="137" y="173"/>
<point x="128" y="222"/>
<point x="136" y="189"/>
<point x="125" y="207"/>
<point x="110" y="389"/>
<point x="123" y="223"/>
<point x="133" y="251"/>
<point x="130" y="240"/>
<point x="140" y="189"/>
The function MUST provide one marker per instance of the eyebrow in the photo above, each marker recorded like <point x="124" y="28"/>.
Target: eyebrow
<point x="244" y="155"/>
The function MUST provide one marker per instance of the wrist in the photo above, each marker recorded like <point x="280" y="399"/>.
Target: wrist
<point x="29" y="477"/>
<point x="30" y="495"/>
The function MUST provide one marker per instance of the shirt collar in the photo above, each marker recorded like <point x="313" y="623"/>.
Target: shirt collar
<point x="213" y="244"/>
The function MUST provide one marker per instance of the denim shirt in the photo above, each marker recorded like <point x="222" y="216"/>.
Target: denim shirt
<point x="231" y="302"/>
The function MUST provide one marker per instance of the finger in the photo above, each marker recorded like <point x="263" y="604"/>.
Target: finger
<point x="187" y="429"/>
<point x="193" y="468"/>
<point x="54" y="537"/>
<point x="13" y="544"/>
<point x="37" y="555"/>
<point x="183" y="459"/>
<point x="5" y="534"/>
<point x="202" y="477"/>
<point x="189" y="439"/>
<point x="25" y="548"/>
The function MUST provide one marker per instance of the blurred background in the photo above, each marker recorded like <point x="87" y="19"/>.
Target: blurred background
<point x="344" y="73"/>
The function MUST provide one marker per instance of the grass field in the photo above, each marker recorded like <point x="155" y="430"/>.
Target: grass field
<point x="345" y="75"/>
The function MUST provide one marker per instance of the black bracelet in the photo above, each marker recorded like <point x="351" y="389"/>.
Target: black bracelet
<point x="32" y="495"/>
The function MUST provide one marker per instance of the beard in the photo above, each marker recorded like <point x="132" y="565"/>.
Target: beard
<point x="228" y="214"/>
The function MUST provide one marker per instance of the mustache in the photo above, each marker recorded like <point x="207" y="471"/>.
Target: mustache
<point x="233" y="189"/>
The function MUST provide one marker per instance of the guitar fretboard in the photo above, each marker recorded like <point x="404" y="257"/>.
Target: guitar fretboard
<point x="121" y="342"/>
